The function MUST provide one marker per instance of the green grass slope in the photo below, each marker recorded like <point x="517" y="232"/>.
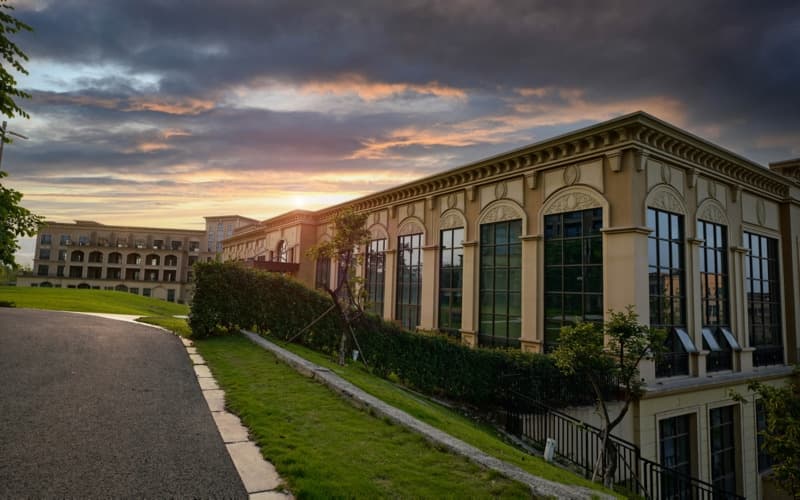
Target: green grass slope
<point x="73" y="299"/>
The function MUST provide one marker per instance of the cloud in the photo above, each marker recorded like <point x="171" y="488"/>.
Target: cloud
<point x="251" y="99"/>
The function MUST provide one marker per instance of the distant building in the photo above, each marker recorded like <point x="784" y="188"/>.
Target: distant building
<point x="154" y="262"/>
<point x="633" y="211"/>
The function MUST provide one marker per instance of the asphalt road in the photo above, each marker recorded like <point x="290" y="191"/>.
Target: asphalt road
<point x="93" y="407"/>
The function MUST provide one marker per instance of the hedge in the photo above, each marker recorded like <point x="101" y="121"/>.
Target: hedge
<point x="229" y="296"/>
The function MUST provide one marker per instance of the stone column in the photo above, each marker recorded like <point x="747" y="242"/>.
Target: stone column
<point x="430" y="266"/>
<point x="469" y="305"/>
<point x="389" y="278"/>
<point x="532" y="338"/>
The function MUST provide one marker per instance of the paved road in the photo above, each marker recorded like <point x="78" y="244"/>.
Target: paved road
<point x="92" y="407"/>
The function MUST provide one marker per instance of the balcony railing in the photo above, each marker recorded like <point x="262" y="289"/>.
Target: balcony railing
<point x="766" y="355"/>
<point x="671" y="364"/>
<point x="719" y="360"/>
<point x="580" y="444"/>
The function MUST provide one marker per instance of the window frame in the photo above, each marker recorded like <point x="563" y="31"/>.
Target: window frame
<point x="375" y="275"/>
<point x="408" y="296"/>
<point x="451" y="280"/>
<point x="495" y="299"/>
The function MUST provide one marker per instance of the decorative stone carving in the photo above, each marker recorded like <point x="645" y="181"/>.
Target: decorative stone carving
<point x="569" y="202"/>
<point x="410" y="227"/>
<point x="666" y="173"/>
<point x="500" y="190"/>
<point x="452" y="219"/>
<point x="761" y="212"/>
<point x="571" y="175"/>
<point x="712" y="189"/>
<point x="712" y="213"/>
<point x="410" y="210"/>
<point x="451" y="200"/>
<point x="531" y="178"/>
<point x="500" y="213"/>
<point x="666" y="200"/>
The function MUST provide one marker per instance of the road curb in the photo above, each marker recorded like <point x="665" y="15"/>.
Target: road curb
<point x="259" y="476"/>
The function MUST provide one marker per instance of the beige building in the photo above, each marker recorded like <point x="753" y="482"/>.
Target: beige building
<point x="153" y="262"/>
<point x="633" y="211"/>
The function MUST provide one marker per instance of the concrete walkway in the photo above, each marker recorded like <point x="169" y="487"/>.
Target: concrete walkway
<point x="538" y="485"/>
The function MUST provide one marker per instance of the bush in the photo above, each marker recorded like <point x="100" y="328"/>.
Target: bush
<point x="229" y="296"/>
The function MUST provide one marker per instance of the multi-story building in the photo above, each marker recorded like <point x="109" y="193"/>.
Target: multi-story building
<point x="153" y="262"/>
<point x="633" y="211"/>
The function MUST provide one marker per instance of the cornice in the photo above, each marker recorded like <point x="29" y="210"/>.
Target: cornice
<point x="626" y="140"/>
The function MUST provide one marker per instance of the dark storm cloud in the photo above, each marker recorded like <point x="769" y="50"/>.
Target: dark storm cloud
<point x="415" y="86"/>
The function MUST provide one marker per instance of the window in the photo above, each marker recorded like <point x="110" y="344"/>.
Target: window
<point x="77" y="256"/>
<point x="283" y="250"/>
<point x="158" y="244"/>
<point x="146" y="292"/>
<point x="322" y="278"/>
<point x="374" y="277"/>
<point x="675" y="444"/>
<point x="573" y="279"/>
<point x="64" y="240"/>
<point x="60" y="271"/>
<point x="409" y="279"/>
<point x="75" y="272"/>
<point x="46" y="239"/>
<point x="451" y="269"/>
<point x="83" y="241"/>
<point x="62" y="255"/>
<point x="44" y="254"/>
<point x="714" y="302"/>
<point x="43" y="270"/>
<point x="134" y="259"/>
<point x="500" y="316"/>
<point x="723" y="449"/>
<point x="667" y="294"/>
<point x="763" y="299"/>
<point x="170" y="261"/>
<point x="176" y="244"/>
<point x="134" y="291"/>
<point x="170" y="295"/>
<point x="114" y="258"/>
<point x="764" y="460"/>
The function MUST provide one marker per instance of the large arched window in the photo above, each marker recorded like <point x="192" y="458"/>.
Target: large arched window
<point x="282" y="251"/>
<point x="134" y="259"/>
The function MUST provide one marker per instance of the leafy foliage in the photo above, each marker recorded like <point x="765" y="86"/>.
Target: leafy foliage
<point x="613" y="351"/>
<point x="781" y="438"/>
<point x="13" y="57"/>
<point x="229" y="296"/>
<point x="15" y="221"/>
<point x="348" y="296"/>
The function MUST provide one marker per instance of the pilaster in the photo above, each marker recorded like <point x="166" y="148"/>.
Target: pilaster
<point x="430" y="260"/>
<point x="469" y="308"/>
<point x="532" y="339"/>
<point x="694" y="307"/>
<point x="390" y="276"/>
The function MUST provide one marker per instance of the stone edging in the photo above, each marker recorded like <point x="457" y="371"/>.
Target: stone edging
<point x="356" y="396"/>
<point x="259" y="477"/>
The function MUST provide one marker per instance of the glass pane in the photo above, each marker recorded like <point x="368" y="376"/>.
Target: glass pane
<point x="552" y="279"/>
<point x="573" y="252"/>
<point x="514" y="304"/>
<point x="501" y="279"/>
<point x="572" y="224"/>
<point x="596" y="250"/>
<point x="515" y="279"/>
<point x="553" y="252"/>
<point x="515" y="255"/>
<point x="573" y="279"/>
<point x="501" y="233"/>
<point x="593" y="277"/>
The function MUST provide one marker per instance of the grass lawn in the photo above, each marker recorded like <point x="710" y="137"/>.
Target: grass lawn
<point x="104" y="301"/>
<point x="483" y="437"/>
<point x="324" y="447"/>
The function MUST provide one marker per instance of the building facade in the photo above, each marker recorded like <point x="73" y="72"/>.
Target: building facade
<point x="153" y="262"/>
<point x="634" y="211"/>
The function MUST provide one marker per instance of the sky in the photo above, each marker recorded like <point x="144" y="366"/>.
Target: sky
<point x="157" y="113"/>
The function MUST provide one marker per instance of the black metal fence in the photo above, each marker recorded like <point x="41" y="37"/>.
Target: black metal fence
<point x="579" y="444"/>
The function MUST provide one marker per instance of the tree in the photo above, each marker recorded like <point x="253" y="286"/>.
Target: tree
<point x="14" y="56"/>
<point x="347" y="295"/>
<point x="584" y="351"/>
<point x="781" y="437"/>
<point x="15" y="221"/>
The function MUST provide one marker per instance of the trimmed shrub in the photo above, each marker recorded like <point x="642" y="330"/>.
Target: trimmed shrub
<point x="229" y="296"/>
